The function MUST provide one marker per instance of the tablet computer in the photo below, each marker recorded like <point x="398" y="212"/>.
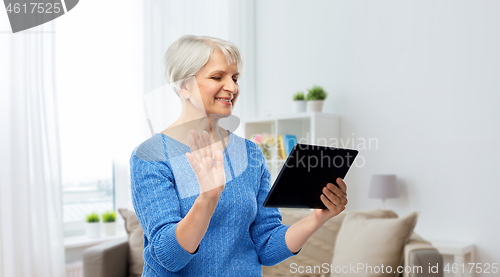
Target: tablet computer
<point x="306" y="172"/>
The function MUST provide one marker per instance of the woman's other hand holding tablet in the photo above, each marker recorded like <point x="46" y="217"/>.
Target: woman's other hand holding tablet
<point x="334" y="198"/>
<point x="211" y="176"/>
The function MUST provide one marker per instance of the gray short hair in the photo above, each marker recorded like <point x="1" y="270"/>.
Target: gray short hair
<point x="188" y="54"/>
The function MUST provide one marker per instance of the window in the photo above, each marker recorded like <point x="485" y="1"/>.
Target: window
<point x="81" y="197"/>
<point x="96" y="75"/>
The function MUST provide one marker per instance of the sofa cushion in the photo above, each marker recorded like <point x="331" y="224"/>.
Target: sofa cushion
<point x="374" y="213"/>
<point x="135" y="241"/>
<point x="319" y="247"/>
<point x="373" y="242"/>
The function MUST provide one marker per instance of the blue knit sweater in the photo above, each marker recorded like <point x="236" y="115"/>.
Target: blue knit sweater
<point x="242" y="234"/>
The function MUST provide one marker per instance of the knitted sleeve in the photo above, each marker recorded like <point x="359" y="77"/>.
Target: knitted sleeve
<point x="267" y="231"/>
<point x="157" y="206"/>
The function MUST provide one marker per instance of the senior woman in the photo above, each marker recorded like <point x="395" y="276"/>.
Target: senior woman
<point x="200" y="206"/>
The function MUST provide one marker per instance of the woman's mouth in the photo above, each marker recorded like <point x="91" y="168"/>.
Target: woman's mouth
<point x="224" y="101"/>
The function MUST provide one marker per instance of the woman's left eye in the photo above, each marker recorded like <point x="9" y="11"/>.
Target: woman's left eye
<point x="219" y="78"/>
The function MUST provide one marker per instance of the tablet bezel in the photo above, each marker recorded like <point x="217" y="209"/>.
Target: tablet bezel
<point x="308" y="202"/>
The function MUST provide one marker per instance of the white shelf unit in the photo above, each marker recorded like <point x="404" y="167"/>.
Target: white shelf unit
<point x="314" y="128"/>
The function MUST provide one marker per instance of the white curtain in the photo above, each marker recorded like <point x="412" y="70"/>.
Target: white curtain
<point x="31" y="228"/>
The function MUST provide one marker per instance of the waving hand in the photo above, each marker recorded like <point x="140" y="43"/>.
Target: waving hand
<point x="211" y="177"/>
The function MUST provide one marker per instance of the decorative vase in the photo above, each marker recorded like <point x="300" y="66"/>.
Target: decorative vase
<point x="93" y="230"/>
<point x="299" y="106"/>
<point x="315" y="105"/>
<point x="109" y="228"/>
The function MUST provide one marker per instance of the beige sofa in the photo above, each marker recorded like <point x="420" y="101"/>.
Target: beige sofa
<point x="113" y="258"/>
<point x="319" y="249"/>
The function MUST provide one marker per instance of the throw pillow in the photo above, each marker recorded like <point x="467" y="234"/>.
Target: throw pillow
<point x="371" y="247"/>
<point x="135" y="242"/>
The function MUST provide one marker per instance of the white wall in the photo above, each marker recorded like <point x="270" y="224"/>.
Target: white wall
<point x="422" y="77"/>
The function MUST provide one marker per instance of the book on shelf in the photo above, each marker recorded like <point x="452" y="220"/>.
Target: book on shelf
<point x="281" y="148"/>
<point x="285" y="145"/>
<point x="265" y="142"/>
<point x="290" y="141"/>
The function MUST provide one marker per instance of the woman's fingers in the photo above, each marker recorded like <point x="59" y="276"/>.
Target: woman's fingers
<point x="334" y="189"/>
<point x="332" y="206"/>
<point x="199" y="142"/>
<point x="343" y="188"/>
<point x="194" y="164"/>
<point x="327" y="202"/>
<point x="331" y="196"/>
<point x="194" y="147"/>
<point x="197" y="147"/>
<point x="342" y="185"/>
<point x="337" y="196"/>
<point x="209" y="169"/>
<point x="208" y="146"/>
<point x="218" y="159"/>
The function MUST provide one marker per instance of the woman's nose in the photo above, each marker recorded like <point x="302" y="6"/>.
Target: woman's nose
<point x="230" y="86"/>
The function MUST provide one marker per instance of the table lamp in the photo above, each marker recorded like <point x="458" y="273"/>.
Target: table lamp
<point x="384" y="186"/>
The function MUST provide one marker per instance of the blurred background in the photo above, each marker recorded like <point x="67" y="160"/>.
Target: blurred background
<point x="420" y="78"/>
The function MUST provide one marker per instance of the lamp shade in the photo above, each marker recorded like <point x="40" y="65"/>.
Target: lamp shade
<point x="384" y="186"/>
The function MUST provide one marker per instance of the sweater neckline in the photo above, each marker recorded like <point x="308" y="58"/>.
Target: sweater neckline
<point x="182" y="145"/>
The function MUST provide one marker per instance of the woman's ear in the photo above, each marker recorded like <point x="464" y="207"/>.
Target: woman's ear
<point x="183" y="90"/>
<point x="182" y="87"/>
<point x="187" y="86"/>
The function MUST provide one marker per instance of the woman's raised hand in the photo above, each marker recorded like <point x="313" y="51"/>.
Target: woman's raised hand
<point x="211" y="177"/>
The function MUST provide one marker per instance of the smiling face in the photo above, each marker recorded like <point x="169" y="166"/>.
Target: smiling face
<point x="217" y="79"/>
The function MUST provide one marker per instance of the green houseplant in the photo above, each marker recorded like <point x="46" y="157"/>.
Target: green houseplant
<point x="93" y="225"/>
<point x="93" y="217"/>
<point x="109" y="223"/>
<point x="299" y="95"/>
<point x="315" y="97"/>
<point x="298" y="102"/>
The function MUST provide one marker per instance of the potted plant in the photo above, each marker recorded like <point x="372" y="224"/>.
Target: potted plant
<point x="299" y="102"/>
<point x="93" y="226"/>
<point x="315" y="97"/>
<point x="109" y="223"/>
